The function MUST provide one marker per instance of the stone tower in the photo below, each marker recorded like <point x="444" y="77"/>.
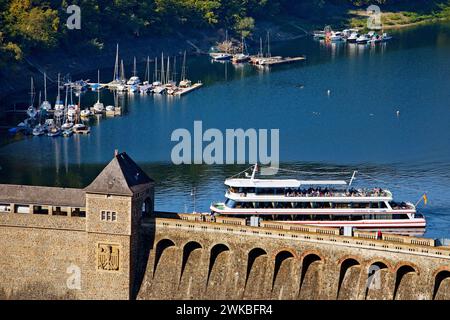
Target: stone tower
<point x="116" y="201"/>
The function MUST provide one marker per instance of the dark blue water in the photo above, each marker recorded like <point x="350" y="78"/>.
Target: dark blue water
<point x="355" y="127"/>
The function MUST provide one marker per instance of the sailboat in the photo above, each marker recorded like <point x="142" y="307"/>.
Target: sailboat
<point x="121" y="87"/>
<point x="134" y="81"/>
<point x="160" y="87"/>
<point x="58" y="103"/>
<point x="98" y="106"/>
<point x="184" y="83"/>
<point x="156" y="82"/>
<point x="39" y="129"/>
<point x="146" y="86"/>
<point x="171" y="86"/>
<point x="31" y="111"/>
<point x="45" y="105"/>
<point x="243" y="56"/>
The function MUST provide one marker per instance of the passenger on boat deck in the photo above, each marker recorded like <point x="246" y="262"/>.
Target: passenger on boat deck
<point x="320" y="192"/>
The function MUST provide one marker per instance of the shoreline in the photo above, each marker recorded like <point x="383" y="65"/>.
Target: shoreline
<point x="16" y="79"/>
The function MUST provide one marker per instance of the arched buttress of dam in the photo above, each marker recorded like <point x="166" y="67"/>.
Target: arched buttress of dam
<point x="160" y="247"/>
<point x="218" y="279"/>
<point x="187" y="251"/>
<point x="441" y="290"/>
<point x="310" y="277"/>
<point x="193" y="272"/>
<point x="405" y="282"/>
<point x="378" y="281"/>
<point x="349" y="278"/>
<point x="285" y="280"/>
<point x="165" y="270"/>
<point x="257" y="260"/>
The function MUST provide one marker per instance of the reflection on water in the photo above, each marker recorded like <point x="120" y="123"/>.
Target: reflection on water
<point x="355" y="126"/>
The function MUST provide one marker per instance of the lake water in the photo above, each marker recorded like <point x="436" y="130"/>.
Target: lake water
<point x="355" y="127"/>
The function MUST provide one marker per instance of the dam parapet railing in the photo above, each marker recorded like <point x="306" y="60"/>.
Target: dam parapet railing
<point x="363" y="239"/>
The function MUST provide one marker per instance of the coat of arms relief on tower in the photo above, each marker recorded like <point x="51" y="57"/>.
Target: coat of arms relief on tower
<point x="108" y="257"/>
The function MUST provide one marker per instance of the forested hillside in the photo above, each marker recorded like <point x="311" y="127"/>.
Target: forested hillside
<point x="27" y="25"/>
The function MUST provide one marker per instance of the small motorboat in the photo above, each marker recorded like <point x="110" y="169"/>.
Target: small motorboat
<point x="362" y="39"/>
<point x="38" y="130"/>
<point x="67" y="133"/>
<point x="336" y="36"/>
<point x="110" y="111"/>
<point x="222" y="56"/>
<point x="98" y="107"/>
<point x="240" y="58"/>
<point x="67" y="126"/>
<point x="375" y="39"/>
<point x="319" y="34"/>
<point x="353" y="37"/>
<point x="133" y="81"/>
<point x="159" y="89"/>
<point x="46" y="106"/>
<point x="385" y="37"/>
<point x="31" y="112"/>
<point x="134" y="88"/>
<point x="86" y="113"/>
<point x="54" y="132"/>
<point x="81" y="128"/>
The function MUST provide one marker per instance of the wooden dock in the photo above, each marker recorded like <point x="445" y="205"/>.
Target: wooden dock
<point x="182" y="91"/>
<point x="270" y="61"/>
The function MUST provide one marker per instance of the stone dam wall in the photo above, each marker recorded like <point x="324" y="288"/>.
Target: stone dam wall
<point x="226" y="260"/>
<point x="184" y="258"/>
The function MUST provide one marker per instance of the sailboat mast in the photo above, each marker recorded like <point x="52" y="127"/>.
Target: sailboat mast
<point x="168" y="70"/>
<point x="98" y="90"/>
<point x="162" y="69"/>
<point x="268" y="45"/>
<point x="134" y="67"/>
<point x="156" y="69"/>
<point x="45" y="86"/>
<point x="32" y="93"/>
<point x="148" y="69"/>
<point x="174" y="77"/>
<point x="183" y="69"/>
<point x="122" y="71"/>
<point x="59" y="95"/>
<point x="116" y="65"/>
<point x="260" y="48"/>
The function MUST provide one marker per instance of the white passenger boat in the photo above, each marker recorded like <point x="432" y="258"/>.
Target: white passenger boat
<point x="329" y="203"/>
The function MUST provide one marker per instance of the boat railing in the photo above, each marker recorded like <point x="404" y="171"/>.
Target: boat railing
<point x="377" y="192"/>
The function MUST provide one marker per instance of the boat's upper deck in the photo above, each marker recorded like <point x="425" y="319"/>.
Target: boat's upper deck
<point x="301" y="190"/>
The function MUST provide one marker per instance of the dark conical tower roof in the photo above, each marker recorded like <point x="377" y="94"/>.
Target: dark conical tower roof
<point x="122" y="176"/>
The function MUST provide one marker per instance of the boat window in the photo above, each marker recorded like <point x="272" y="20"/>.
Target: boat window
<point x="230" y="203"/>
<point x="359" y="205"/>
<point x="400" y="216"/>
<point x="247" y="205"/>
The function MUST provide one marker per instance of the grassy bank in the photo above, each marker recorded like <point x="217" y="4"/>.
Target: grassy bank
<point x="403" y="16"/>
